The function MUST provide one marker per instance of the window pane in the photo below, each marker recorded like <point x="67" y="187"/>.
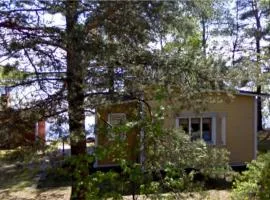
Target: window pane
<point x="207" y="130"/>
<point x="117" y="119"/>
<point x="183" y="123"/>
<point x="195" y="129"/>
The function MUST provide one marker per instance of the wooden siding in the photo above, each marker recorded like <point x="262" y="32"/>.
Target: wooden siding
<point x="239" y="114"/>
<point x="131" y="111"/>
<point x="240" y="122"/>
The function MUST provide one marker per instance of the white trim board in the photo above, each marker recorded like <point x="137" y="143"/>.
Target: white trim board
<point x="214" y="117"/>
<point x="189" y="115"/>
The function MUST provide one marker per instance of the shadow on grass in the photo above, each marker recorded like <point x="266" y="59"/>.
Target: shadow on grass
<point x="53" y="193"/>
<point x="218" y="184"/>
<point x="21" y="182"/>
<point x="54" y="178"/>
<point x="16" y="177"/>
<point x="15" y="171"/>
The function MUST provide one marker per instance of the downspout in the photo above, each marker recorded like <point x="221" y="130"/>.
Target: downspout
<point x="96" y="137"/>
<point x="255" y="130"/>
<point x="142" y="117"/>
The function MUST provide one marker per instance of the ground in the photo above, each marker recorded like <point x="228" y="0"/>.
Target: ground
<point x="34" y="194"/>
<point x="208" y="195"/>
<point x="20" y="181"/>
<point x="23" y="180"/>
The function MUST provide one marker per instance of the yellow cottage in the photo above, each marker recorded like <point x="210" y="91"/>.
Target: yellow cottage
<point x="230" y="124"/>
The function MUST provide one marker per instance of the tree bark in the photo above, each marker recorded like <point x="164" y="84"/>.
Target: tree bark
<point x="258" y="53"/>
<point x="236" y="28"/>
<point x="204" y="39"/>
<point x="75" y="98"/>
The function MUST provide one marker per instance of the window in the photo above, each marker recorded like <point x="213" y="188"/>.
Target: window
<point x="2" y="91"/>
<point x="207" y="129"/>
<point x="199" y="127"/>
<point x="195" y="128"/>
<point x="115" y="119"/>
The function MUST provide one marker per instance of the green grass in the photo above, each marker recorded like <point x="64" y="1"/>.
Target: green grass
<point x="15" y="172"/>
<point x="4" y="153"/>
<point x="19" y="180"/>
<point x="16" y="177"/>
<point x="55" y="177"/>
<point x="20" y="177"/>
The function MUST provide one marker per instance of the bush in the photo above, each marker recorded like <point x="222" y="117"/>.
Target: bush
<point x="255" y="182"/>
<point x="19" y="154"/>
<point x="171" y="163"/>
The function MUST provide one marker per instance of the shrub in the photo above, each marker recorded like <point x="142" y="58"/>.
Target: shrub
<point x="19" y="154"/>
<point x="170" y="163"/>
<point x="255" y="182"/>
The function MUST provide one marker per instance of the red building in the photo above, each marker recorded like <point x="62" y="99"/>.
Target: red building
<point x="15" y="130"/>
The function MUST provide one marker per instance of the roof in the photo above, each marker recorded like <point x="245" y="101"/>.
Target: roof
<point x="250" y="93"/>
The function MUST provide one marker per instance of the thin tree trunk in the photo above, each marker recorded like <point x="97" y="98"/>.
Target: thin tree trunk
<point x="258" y="53"/>
<point x="111" y="80"/>
<point x="203" y="22"/>
<point x="235" y="42"/>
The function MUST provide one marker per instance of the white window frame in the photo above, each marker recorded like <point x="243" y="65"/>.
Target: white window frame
<point x="118" y="115"/>
<point x="223" y="129"/>
<point x="188" y="116"/>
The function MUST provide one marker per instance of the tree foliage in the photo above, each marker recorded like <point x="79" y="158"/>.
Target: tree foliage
<point x="89" y="56"/>
<point x="170" y="164"/>
<point x="70" y="57"/>
<point x="254" y="183"/>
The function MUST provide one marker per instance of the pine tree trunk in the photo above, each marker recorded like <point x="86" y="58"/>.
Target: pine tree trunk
<point x="75" y="88"/>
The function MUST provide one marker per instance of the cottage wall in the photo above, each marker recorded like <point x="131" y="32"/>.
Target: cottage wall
<point x="238" y="112"/>
<point x="240" y="116"/>
<point x="102" y="138"/>
<point x="240" y="127"/>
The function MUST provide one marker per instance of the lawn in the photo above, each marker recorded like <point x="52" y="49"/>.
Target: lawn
<point x="206" y="195"/>
<point x="20" y="180"/>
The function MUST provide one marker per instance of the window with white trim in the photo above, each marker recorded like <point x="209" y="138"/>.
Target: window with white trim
<point x="115" y="119"/>
<point x="199" y="127"/>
